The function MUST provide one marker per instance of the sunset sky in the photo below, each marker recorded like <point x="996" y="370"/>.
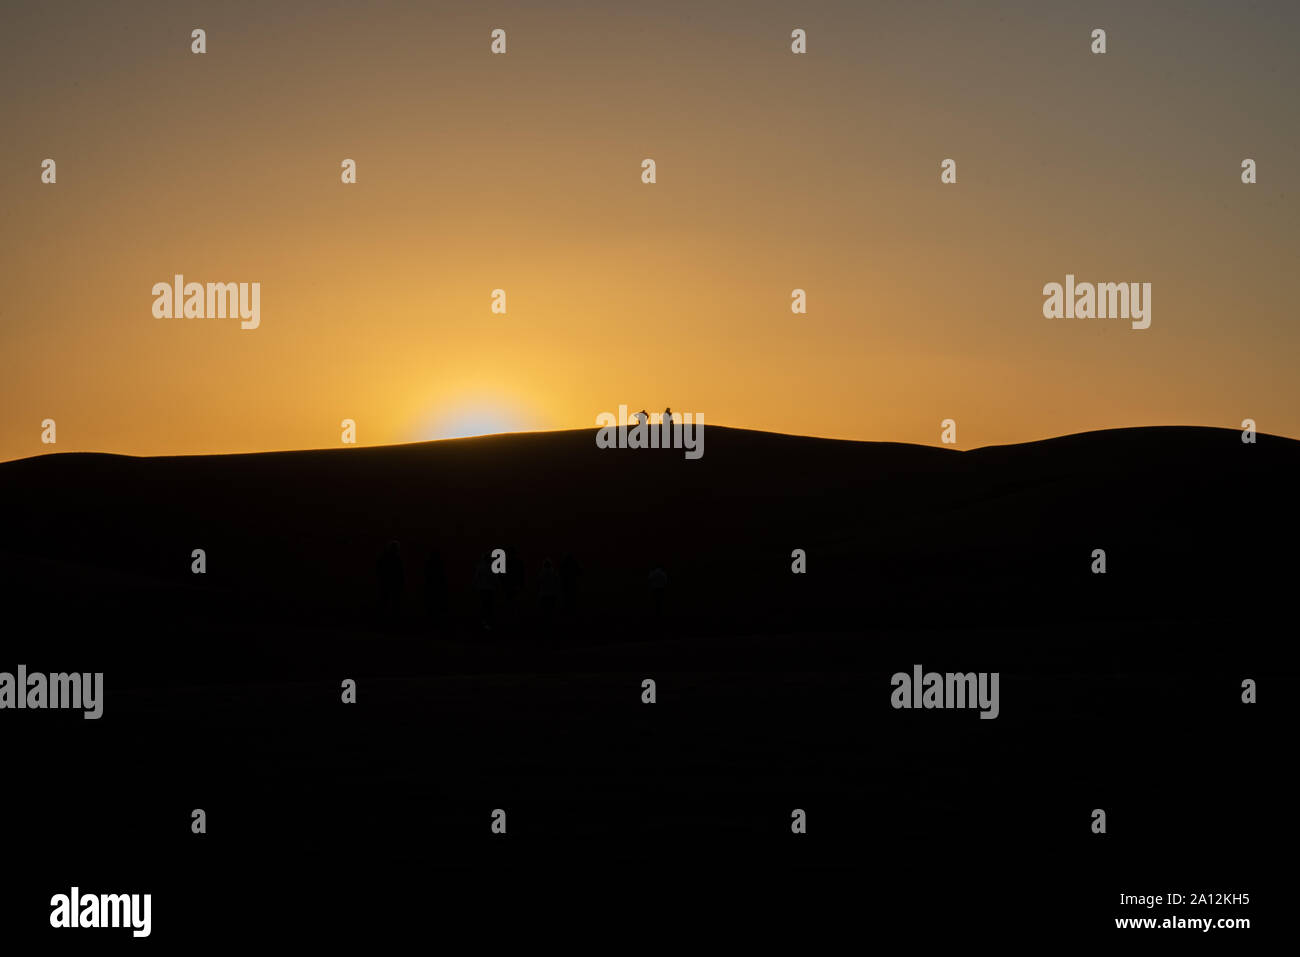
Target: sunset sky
<point x="523" y="172"/>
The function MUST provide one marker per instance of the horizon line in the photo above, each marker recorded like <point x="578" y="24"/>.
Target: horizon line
<point x="732" y="428"/>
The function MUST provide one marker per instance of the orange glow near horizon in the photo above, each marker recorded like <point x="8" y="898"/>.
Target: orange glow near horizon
<point x="522" y="172"/>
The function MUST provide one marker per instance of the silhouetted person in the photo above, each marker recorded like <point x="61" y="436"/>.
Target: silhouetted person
<point x="570" y="573"/>
<point x="642" y="417"/>
<point x="515" y="576"/>
<point x="485" y="586"/>
<point x="435" y="587"/>
<point x="548" y="591"/>
<point x="658" y="584"/>
<point x="392" y="580"/>
<point x="666" y="424"/>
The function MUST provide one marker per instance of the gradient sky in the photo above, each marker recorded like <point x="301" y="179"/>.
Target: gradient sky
<point x="522" y="172"/>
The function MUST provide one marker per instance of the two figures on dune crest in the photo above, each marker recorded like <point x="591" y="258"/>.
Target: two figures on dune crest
<point x="643" y="417"/>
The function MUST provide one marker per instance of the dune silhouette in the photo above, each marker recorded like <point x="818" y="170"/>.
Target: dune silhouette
<point x="974" y="560"/>
<point x="1000" y="531"/>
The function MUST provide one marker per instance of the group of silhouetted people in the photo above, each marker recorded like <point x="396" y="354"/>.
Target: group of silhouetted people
<point x="499" y="586"/>
<point x="498" y="582"/>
